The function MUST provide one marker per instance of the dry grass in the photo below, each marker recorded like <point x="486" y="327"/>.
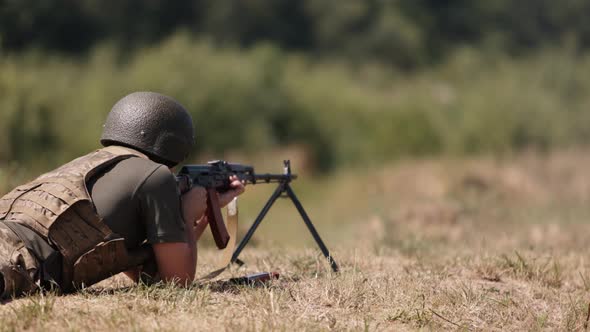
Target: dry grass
<point x="446" y="245"/>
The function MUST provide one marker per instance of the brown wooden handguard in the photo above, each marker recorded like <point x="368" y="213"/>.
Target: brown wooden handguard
<point x="215" y="219"/>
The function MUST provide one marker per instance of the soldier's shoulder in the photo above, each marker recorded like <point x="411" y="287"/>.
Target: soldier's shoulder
<point x="149" y="176"/>
<point x="133" y="174"/>
<point x="142" y="167"/>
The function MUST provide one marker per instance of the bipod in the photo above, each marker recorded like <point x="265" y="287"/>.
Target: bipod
<point x="284" y="190"/>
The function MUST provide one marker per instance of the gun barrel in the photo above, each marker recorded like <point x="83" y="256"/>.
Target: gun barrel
<point x="268" y="178"/>
<point x="216" y="174"/>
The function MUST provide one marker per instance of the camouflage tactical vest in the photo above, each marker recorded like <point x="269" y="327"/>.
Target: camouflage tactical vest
<point x="57" y="205"/>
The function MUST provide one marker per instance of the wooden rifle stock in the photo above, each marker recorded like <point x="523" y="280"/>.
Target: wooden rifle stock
<point x="215" y="219"/>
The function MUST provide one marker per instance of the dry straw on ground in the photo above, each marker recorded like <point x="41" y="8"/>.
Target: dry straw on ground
<point x="444" y="245"/>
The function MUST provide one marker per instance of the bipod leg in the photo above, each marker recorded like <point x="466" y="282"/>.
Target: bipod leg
<point x="311" y="228"/>
<point x="280" y="189"/>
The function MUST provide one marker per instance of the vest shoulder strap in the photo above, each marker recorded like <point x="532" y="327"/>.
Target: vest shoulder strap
<point x="122" y="150"/>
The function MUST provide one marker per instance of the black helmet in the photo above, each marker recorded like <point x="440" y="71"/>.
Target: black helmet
<point x="155" y="124"/>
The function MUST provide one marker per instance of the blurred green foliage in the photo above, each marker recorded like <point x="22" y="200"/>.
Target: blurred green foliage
<point x="353" y="81"/>
<point x="53" y="108"/>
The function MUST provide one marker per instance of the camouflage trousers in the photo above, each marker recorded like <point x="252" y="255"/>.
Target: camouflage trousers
<point x="18" y="267"/>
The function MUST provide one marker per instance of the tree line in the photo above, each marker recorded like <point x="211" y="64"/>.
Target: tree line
<point x="404" y="33"/>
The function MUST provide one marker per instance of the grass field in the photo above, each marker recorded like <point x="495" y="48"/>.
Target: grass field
<point x="482" y="244"/>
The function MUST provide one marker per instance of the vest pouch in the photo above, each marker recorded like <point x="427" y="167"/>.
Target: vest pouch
<point x="107" y="259"/>
<point x="103" y="261"/>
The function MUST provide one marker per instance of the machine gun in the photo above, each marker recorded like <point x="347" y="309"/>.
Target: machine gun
<point x="214" y="177"/>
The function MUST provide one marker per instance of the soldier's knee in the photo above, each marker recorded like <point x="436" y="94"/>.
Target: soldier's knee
<point x="5" y="290"/>
<point x="15" y="283"/>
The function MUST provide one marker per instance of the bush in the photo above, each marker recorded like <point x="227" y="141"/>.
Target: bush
<point x="52" y="107"/>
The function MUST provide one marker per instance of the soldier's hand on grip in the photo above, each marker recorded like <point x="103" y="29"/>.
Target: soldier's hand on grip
<point x="237" y="188"/>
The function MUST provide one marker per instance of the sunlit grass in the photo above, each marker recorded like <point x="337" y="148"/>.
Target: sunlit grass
<point x="436" y="244"/>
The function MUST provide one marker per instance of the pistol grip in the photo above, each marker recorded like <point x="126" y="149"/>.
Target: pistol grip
<point x="218" y="229"/>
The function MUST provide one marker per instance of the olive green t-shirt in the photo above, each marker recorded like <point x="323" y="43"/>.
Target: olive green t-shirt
<point x="139" y="200"/>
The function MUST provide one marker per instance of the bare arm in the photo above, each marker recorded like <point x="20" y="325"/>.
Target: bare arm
<point x="200" y="227"/>
<point x="177" y="261"/>
<point x="133" y="274"/>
